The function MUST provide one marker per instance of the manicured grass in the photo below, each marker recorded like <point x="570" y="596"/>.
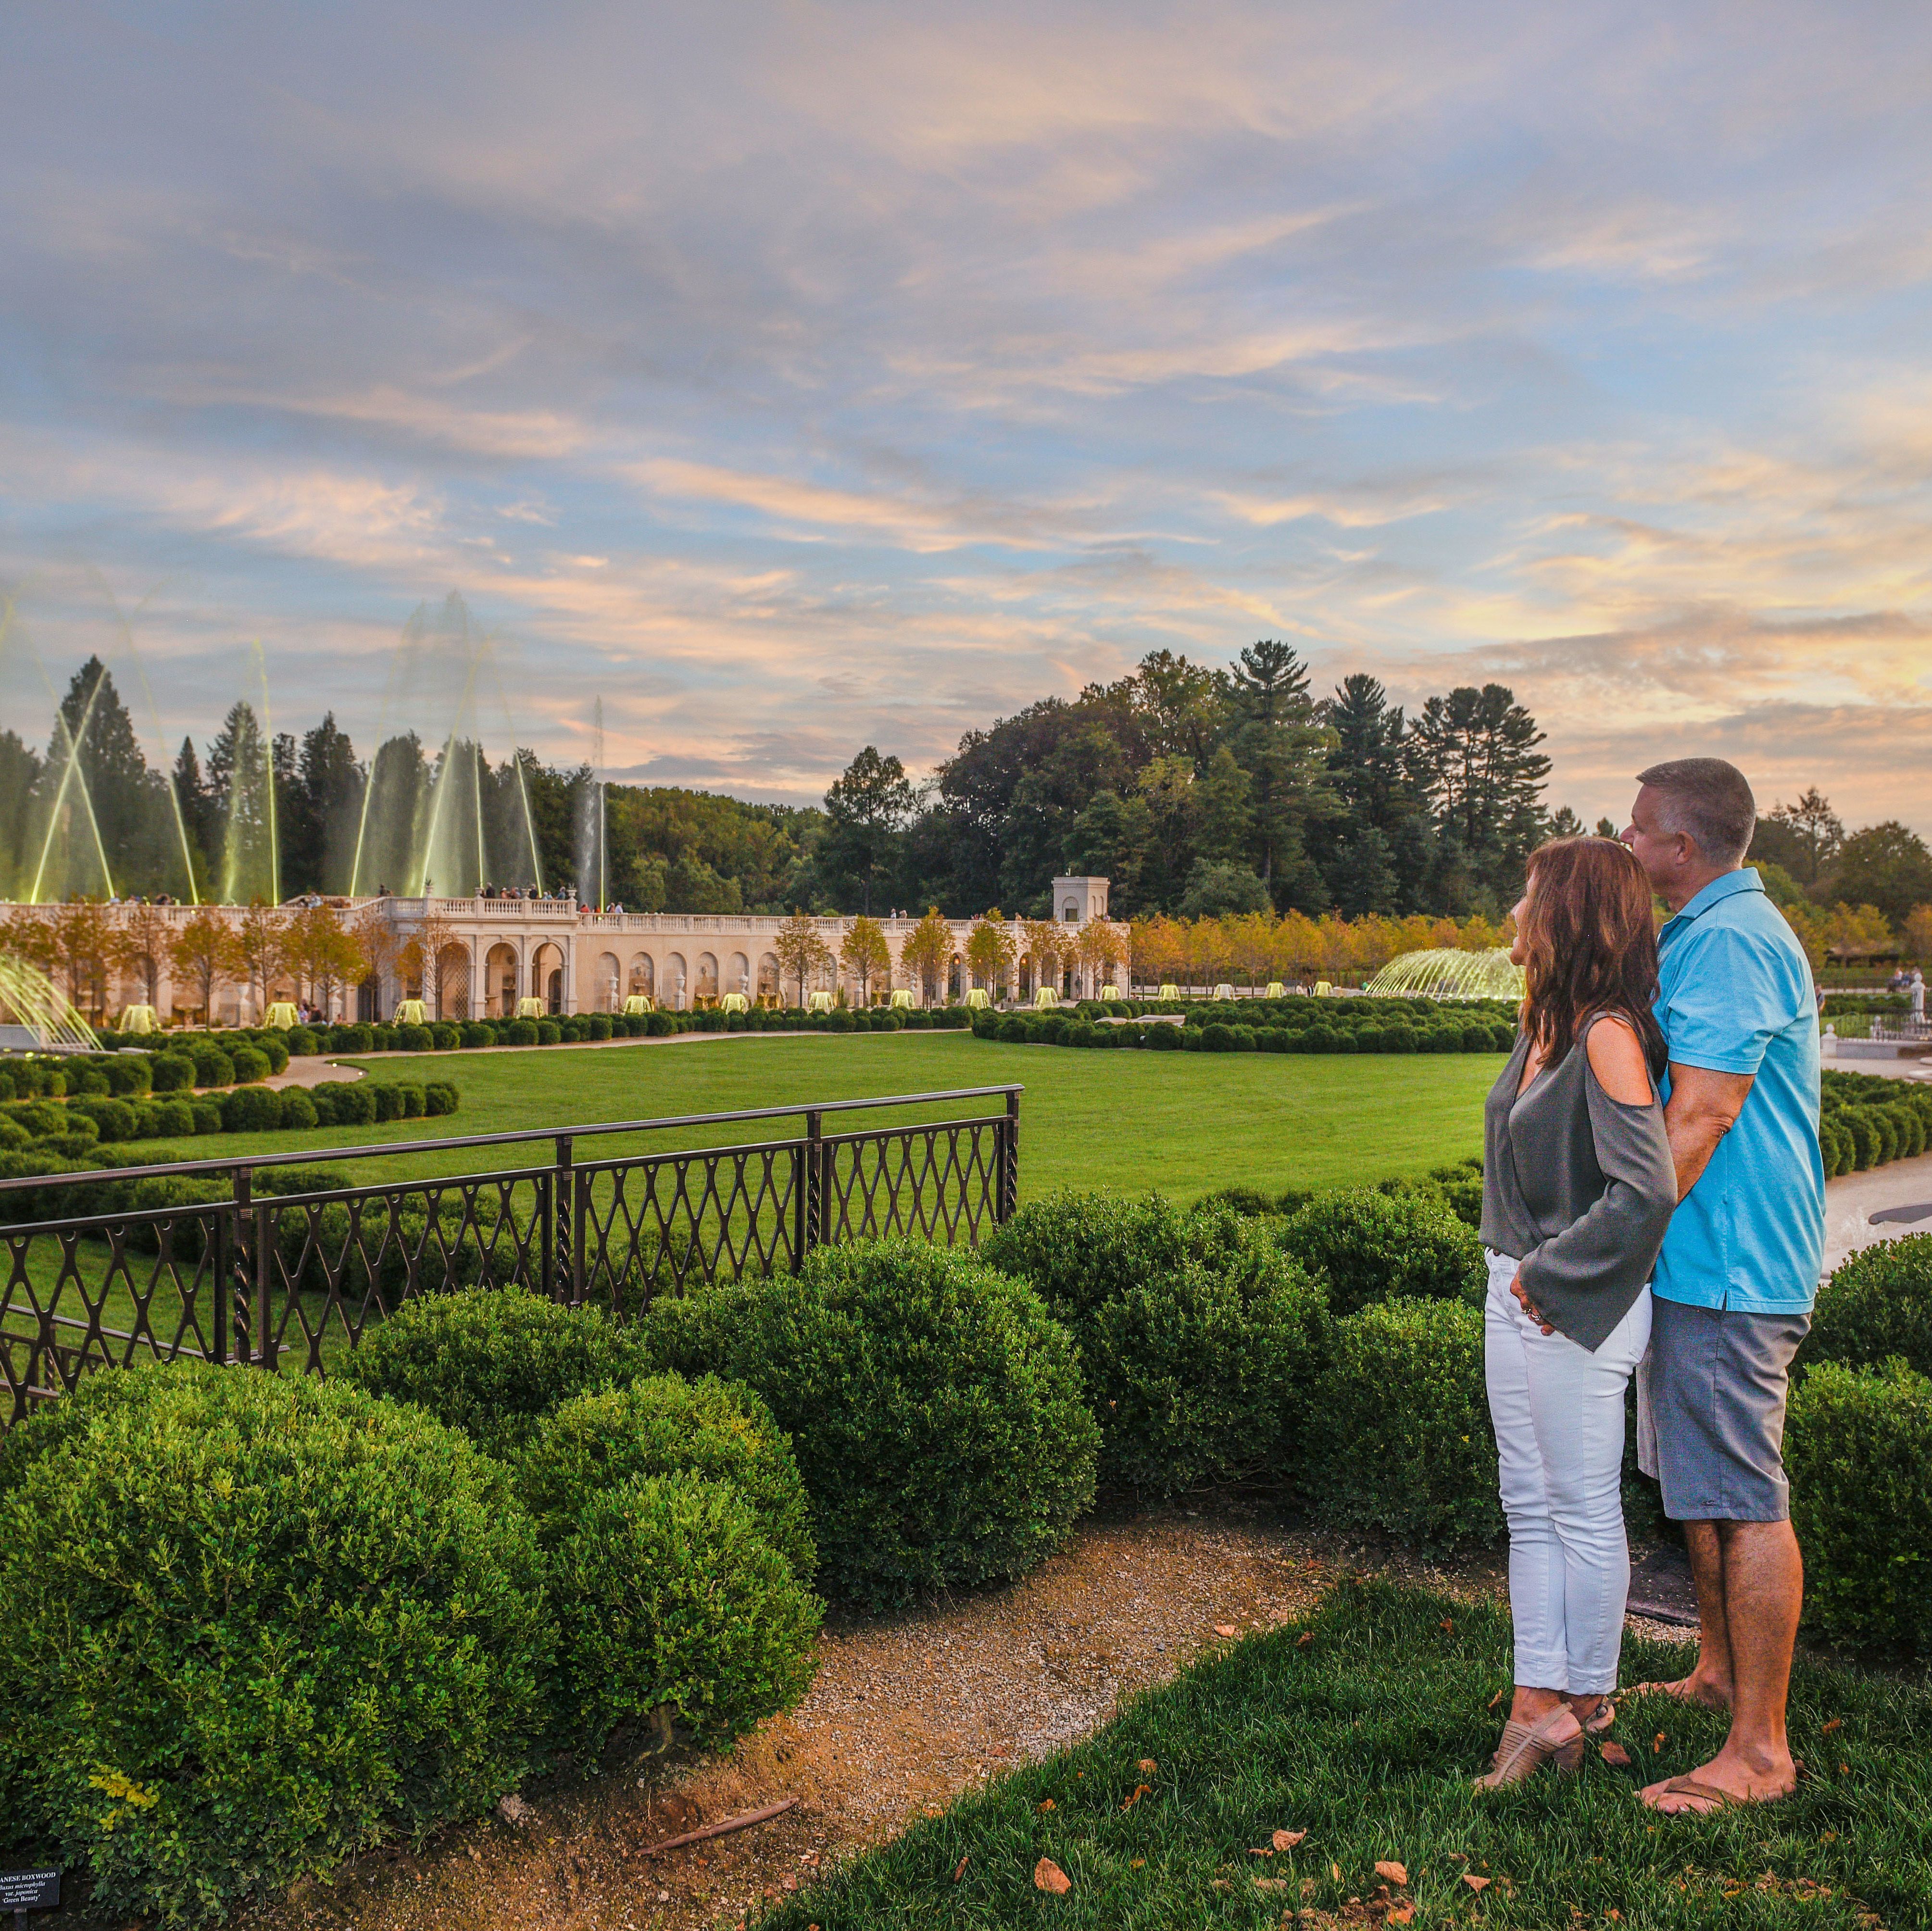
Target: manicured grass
<point x="1185" y="1123"/>
<point x="1367" y="1737"/>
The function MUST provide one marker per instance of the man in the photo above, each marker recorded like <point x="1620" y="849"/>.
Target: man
<point x="1732" y="1296"/>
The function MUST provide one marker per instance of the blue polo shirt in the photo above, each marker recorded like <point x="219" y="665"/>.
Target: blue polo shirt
<point x="1736" y="997"/>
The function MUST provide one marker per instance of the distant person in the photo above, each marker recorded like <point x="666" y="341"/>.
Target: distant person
<point x="1578" y="1188"/>
<point x="1732" y="1294"/>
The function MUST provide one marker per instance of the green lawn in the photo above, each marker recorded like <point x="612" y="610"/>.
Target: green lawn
<point x="1184" y="1122"/>
<point x="1366" y="1738"/>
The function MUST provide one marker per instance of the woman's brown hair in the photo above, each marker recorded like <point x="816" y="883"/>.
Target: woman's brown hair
<point x="1591" y="945"/>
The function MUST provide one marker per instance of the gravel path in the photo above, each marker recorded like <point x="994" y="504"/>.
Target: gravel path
<point x="905" y="1716"/>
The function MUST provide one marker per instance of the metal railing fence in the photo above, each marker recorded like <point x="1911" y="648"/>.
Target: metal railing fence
<point x="250" y="1260"/>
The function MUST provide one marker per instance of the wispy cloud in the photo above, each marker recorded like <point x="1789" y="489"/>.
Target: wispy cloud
<point x="801" y="376"/>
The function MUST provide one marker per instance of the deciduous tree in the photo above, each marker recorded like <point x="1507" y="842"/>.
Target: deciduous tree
<point x="803" y="954"/>
<point x="203" y="954"/>
<point x="865" y="954"/>
<point x="928" y="951"/>
<point x="990" y="952"/>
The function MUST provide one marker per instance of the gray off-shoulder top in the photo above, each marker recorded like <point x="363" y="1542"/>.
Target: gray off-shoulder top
<point x="1578" y="1186"/>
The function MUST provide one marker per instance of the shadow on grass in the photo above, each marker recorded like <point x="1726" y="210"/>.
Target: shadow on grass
<point x="1367" y="1737"/>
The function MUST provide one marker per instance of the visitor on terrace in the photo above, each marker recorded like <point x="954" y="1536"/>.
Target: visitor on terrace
<point x="1578" y="1189"/>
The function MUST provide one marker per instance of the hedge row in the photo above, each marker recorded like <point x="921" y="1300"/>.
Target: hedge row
<point x="1281" y="1026"/>
<point x="1867" y="1121"/>
<point x="66" y="1136"/>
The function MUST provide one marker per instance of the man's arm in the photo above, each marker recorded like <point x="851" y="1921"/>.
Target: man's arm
<point x="1702" y="1107"/>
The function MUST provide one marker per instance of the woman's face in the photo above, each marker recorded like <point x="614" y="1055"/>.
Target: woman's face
<point x="1519" y="952"/>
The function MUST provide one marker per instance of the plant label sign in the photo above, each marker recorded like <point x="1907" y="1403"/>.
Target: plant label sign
<point x="29" y="1891"/>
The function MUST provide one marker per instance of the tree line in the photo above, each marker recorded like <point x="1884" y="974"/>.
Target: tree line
<point x="1198" y="791"/>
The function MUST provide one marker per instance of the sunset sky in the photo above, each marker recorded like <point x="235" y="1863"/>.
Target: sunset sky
<point x="792" y="377"/>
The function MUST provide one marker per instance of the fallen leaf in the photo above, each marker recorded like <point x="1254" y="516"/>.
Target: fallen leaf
<point x="1135" y="1795"/>
<point x="1270" y="1883"/>
<point x="1286" y="1840"/>
<point x="1844" y="1770"/>
<point x="1447" y="1625"/>
<point x="1307" y="1637"/>
<point x="1657" y="1748"/>
<point x="1049" y="1805"/>
<point x="1401" y="1914"/>
<point x="1047" y="1875"/>
<point x="1395" y="1873"/>
<point x="1615" y="1917"/>
<point x="959" y="1868"/>
<point x="1498" y="1697"/>
<point x="1148" y="1766"/>
<point x="1335" y="1871"/>
<point x="1225" y="1630"/>
<point x="1614" y="1753"/>
<point x="1474" y="1882"/>
<point x="1136" y="1864"/>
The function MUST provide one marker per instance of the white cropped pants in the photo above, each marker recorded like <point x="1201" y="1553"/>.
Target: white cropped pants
<point x="1558" y="1414"/>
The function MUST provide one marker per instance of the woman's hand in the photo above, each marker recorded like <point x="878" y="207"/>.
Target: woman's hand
<point x="1529" y="1307"/>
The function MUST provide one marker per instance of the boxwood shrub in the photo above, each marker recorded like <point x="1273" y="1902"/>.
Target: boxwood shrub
<point x="663" y="1425"/>
<point x="935" y="1408"/>
<point x="353" y="1643"/>
<point x="671" y="1601"/>
<point x="1404" y="1445"/>
<point x="251" y="1109"/>
<point x="171" y="1071"/>
<point x="492" y="1363"/>
<point x="1200" y="1339"/>
<point x="1858" y="1444"/>
<point x="1876" y="1305"/>
<point x="1371" y="1246"/>
<point x="250" y="1064"/>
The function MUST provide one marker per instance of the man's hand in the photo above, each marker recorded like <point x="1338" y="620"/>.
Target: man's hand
<point x="1703" y="1108"/>
<point x="1529" y="1307"/>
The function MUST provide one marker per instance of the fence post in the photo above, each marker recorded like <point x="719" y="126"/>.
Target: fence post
<point x="221" y="1274"/>
<point x="241" y="1271"/>
<point x="812" y="1216"/>
<point x="1007" y="1198"/>
<point x="560" y="1243"/>
<point x="264" y="1275"/>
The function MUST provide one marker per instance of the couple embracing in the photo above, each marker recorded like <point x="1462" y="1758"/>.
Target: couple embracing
<point x="1653" y="1205"/>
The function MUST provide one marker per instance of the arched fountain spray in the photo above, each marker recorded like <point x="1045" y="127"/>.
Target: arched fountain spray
<point x="29" y="999"/>
<point x="1446" y="973"/>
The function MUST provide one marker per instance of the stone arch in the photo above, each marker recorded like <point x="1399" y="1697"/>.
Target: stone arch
<point x="547" y="977"/>
<point x="707" y="976"/>
<point x="500" y="972"/>
<point x="452" y="981"/>
<point x="677" y="982"/>
<point x="738" y="973"/>
<point x="768" y="975"/>
<point x="607" y="988"/>
<point x="644" y="979"/>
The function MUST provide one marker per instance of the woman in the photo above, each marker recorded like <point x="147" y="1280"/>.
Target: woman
<point x="1578" y="1188"/>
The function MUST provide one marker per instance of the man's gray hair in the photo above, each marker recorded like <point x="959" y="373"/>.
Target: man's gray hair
<point x="1709" y="802"/>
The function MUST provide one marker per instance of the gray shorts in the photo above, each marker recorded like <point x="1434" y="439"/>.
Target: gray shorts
<point x="1710" y="1411"/>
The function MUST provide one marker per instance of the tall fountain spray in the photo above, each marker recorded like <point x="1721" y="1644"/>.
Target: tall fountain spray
<point x="30" y="1003"/>
<point x="593" y="846"/>
<point x="71" y="799"/>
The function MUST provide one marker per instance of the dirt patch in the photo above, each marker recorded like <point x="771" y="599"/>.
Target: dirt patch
<point x="903" y="1716"/>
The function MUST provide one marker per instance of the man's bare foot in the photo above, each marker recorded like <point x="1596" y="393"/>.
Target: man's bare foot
<point x="1725" y="1779"/>
<point x="1703" y="1691"/>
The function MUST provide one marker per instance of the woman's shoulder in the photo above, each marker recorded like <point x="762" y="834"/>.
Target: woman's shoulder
<point x="1616" y="1057"/>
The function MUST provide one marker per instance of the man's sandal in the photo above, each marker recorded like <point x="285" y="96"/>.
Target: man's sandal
<point x="1526" y="1747"/>
<point x="1689" y="1787"/>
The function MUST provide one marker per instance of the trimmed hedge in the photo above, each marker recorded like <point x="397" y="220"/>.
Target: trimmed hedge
<point x="1858" y="1442"/>
<point x="1371" y="1246"/>
<point x="1405" y="1444"/>
<point x="663" y="1425"/>
<point x="669" y="1600"/>
<point x="352" y="1646"/>
<point x="935" y="1407"/>
<point x="1876" y="1305"/>
<point x="492" y="1363"/>
<point x="1200" y="1339"/>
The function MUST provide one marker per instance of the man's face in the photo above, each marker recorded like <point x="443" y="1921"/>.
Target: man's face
<point x="1663" y="855"/>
